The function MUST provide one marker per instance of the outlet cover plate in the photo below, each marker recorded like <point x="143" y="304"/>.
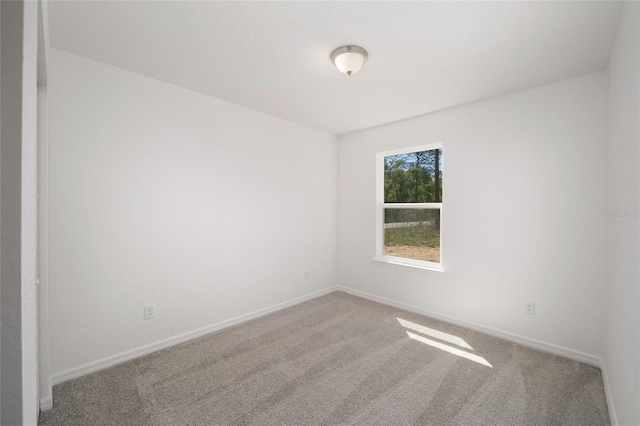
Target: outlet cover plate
<point x="149" y="311"/>
<point x="530" y="308"/>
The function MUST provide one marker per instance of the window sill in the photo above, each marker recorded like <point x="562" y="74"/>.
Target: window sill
<point x="402" y="264"/>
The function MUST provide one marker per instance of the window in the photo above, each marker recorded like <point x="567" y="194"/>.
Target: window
<point x="409" y="207"/>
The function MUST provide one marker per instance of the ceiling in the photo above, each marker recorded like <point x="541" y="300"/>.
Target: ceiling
<point x="274" y="56"/>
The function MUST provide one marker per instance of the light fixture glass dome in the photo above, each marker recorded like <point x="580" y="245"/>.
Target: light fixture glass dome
<point x="349" y="59"/>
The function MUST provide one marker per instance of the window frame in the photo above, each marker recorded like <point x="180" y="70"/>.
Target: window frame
<point x="394" y="261"/>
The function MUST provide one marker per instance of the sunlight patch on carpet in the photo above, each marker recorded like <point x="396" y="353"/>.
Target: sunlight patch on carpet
<point x="440" y="335"/>
<point x="450" y="349"/>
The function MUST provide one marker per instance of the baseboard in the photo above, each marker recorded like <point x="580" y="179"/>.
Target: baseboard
<point x="46" y="403"/>
<point x="512" y="337"/>
<point x="101" y="364"/>
<point x="607" y="391"/>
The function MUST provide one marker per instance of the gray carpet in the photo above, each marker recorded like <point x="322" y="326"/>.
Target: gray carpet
<point x="337" y="360"/>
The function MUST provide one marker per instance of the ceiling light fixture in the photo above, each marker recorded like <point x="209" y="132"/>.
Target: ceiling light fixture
<point x="349" y="59"/>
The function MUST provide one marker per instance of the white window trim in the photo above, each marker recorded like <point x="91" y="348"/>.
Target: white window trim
<point x="393" y="261"/>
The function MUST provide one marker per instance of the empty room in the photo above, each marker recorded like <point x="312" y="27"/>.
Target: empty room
<point x="320" y="213"/>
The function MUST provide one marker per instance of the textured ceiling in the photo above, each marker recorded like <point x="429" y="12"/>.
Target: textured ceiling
<point x="274" y="56"/>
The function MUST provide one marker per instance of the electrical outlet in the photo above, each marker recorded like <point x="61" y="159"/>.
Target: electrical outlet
<point x="530" y="308"/>
<point x="306" y="275"/>
<point x="149" y="311"/>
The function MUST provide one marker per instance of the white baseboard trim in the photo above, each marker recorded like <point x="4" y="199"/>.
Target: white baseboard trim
<point x="101" y="364"/>
<point x="46" y="403"/>
<point x="607" y="391"/>
<point x="512" y="337"/>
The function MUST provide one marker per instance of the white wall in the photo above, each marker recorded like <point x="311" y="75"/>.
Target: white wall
<point x="622" y="342"/>
<point x="18" y="152"/>
<point x="522" y="215"/>
<point x="161" y="195"/>
<point x="10" y="214"/>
